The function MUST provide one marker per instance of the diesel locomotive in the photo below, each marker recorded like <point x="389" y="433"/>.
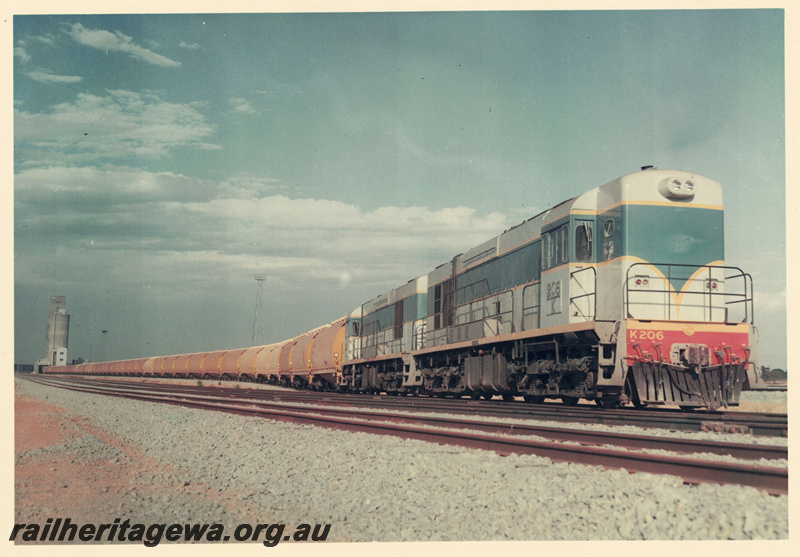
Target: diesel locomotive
<point x="620" y="295"/>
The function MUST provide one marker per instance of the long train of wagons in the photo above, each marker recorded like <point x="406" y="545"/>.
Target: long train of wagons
<point x="618" y="295"/>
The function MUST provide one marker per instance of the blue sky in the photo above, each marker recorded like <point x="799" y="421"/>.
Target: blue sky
<point x="162" y="161"/>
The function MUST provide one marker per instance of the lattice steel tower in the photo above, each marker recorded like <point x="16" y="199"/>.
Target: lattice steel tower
<point x="259" y="322"/>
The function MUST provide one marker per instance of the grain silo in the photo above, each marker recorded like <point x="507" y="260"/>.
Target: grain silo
<point x="57" y="331"/>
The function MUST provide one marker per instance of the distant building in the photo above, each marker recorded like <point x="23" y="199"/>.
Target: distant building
<point x="57" y="337"/>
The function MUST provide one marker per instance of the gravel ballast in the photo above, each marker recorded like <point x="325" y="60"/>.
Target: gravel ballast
<point x="378" y="488"/>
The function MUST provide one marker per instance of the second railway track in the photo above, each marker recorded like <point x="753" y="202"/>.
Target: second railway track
<point x="604" y="448"/>
<point x="760" y="424"/>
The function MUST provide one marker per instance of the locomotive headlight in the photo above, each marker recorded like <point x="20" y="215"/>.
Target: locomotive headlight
<point x="714" y="284"/>
<point x="675" y="188"/>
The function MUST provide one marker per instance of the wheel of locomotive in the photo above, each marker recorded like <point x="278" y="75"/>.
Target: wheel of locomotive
<point x="475" y="396"/>
<point x="608" y="402"/>
<point x="508" y="398"/>
<point x="487" y="396"/>
<point x="569" y="400"/>
<point x="535" y="399"/>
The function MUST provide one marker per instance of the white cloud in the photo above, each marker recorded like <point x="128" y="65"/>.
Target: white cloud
<point x="247" y="185"/>
<point x="242" y="106"/>
<point x="20" y="53"/>
<point x="49" y="40"/>
<point x="188" y="226"/>
<point x="118" y="42"/>
<point x="121" y="125"/>
<point x="45" y="76"/>
<point x="193" y="46"/>
<point x="128" y="239"/>
<point x="49" y="187"/>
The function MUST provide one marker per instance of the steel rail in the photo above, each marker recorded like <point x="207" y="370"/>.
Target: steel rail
<point x="589" y="437"/>
<point x="772" y="479"/>
<point x="769" y="419"/>
<point x="733" y="422"/>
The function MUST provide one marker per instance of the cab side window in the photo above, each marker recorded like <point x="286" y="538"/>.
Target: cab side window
<point x="564" y="236"/>
<point x="547" y="254"/>
<point x="583" y="242"/>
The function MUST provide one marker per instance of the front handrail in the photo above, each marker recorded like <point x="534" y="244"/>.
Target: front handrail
<point x="669" y="272"/>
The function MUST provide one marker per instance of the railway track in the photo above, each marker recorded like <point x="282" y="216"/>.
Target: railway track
<point x="759" y="424"/>
<point x="608" y="449"/>
<point x="781" y="386"/>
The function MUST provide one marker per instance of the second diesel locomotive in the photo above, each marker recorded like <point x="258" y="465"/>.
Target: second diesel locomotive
<point x="618" y="295"/>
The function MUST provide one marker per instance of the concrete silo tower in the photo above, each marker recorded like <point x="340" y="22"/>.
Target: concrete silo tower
<point x="57" y="332"/>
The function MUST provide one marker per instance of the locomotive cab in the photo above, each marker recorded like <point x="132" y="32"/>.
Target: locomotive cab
<point x="685" y="317"/>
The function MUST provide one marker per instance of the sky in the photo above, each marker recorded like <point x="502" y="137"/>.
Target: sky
<point x="161" y="161"/>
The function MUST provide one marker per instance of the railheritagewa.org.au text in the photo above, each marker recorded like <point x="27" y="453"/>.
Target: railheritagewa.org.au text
<point x="64" y="530"/>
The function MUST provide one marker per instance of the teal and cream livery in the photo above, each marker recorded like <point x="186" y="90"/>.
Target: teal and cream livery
<point x="620" y="294"/>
